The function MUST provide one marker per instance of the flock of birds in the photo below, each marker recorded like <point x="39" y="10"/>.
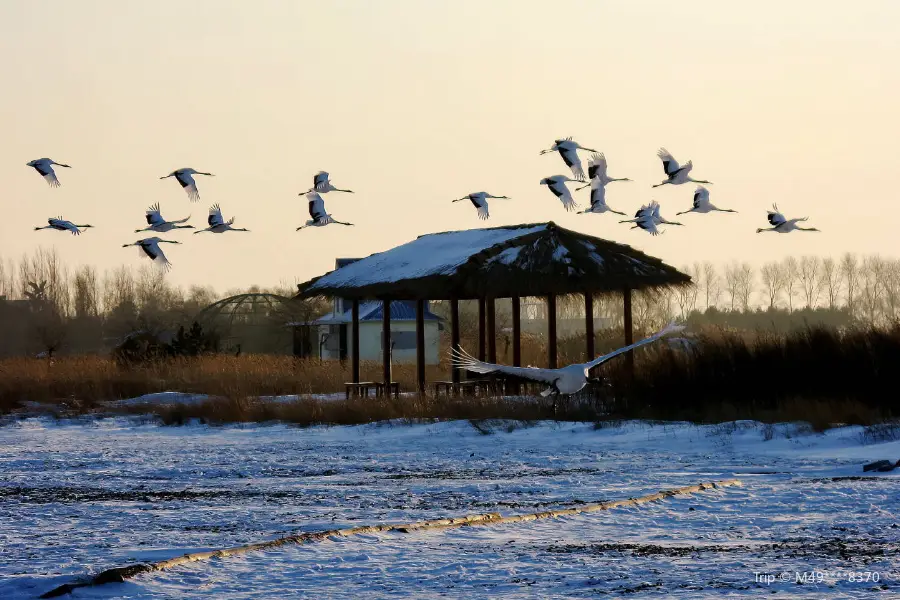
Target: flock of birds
<point x="647" y="216"/>
<point x="566" y="380"/>
<point x="150" y="246"/>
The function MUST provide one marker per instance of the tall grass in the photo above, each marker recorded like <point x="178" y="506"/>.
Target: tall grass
<point x="818" y="375"/>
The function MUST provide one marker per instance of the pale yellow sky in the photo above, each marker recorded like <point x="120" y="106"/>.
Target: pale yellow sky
<point x="413" y="103"/>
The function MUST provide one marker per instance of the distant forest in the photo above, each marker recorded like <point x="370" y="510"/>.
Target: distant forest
<point x="46" y="305"/>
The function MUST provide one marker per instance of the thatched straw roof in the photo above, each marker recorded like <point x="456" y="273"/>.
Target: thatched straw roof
<point x="500" y="262"/>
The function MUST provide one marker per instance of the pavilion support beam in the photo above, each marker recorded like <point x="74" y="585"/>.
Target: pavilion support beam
<point x="491" y="331"/>
<point x="481" y="332"/>
<point x="454" y="336"/>
<point x="354" y="341"/>
<point x="386" y="345"/>
<point x="517" y="331"/>
<point x="516" y="336"/>
<point x="629" y="329"/>
<point x="551" y="331"/>
<point x="589" y="325"/>
<point x="420" y="346"/>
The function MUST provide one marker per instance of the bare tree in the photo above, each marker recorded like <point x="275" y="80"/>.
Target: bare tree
<point x="686" y="296"/>
<point x="891" y="283"/>
<point x="772" y="278"/>
<point x="850" y="274"/>
<point x="810" y="280"/>
<point x="831" y="281"/>
<point x="789" y="269"/>
<point x="711" y="285"/>
<point x="86" y="293"/>
<point x="871" y="288"/>
<point x="733" y="283"/>
<point x="745" y="277"/>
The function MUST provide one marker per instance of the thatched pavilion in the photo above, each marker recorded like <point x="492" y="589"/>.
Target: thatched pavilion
<point x="540" y="259"/>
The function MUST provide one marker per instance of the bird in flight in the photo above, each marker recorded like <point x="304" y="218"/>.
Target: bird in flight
<point x="568" y="150"/>
<point x="563" y="381"/>
<point x="557" y="185"/>
<point x="186" y="179"/>
<point x="648" y="218"/>
<point x="149" y="247"/>
<point x="319" y="218"/>
<point x="598" y="200"/>
<point x="322" y="184"/>
<point x="781" y="225"/>
<point x="597" y="171"/>
<point x="61" y="224"/>
<point x="676" y="174"/>
<point x="44" y="166"/>
<point x="217" y="223"/>
<point x="702" y="203"/>
<point x="156" y="222"/>
<point x="479" y="201"/>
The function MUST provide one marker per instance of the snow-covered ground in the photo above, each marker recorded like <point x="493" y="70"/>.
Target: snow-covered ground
<point x="80" y="497"/>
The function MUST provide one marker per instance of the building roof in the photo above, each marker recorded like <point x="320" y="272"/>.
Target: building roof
<point x="374" y="310"/>
<point x="500" y="262"/>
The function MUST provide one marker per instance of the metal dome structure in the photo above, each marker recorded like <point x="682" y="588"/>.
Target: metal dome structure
<point x="254" y="322"/>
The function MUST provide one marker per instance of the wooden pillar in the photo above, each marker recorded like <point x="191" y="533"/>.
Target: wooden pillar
<point x="481" y="332"/>
<point x="420" y="346"/>
<point x="491" y="331"/>
<point x="551" y="331"/>
<point x="629" y="330"/>
<point x="589" y="325"/>
<point x="454" y="336"/>
<point x="517" y="337"/>
<point x="386" y="345"/>
<point x="517" y="331"/>
<point x="354" y="341"/>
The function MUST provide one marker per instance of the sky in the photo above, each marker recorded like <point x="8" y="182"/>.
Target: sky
<point x="412" y="104"/>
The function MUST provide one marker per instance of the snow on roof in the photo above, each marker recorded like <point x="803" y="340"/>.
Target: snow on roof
<point x="432" y="254"/>
<point x="500" y="262"/>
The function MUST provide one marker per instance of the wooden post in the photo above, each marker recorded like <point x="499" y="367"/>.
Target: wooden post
<point x="517" y="331"/>
<point x="454" y="335"/>
<point x="386" y="345"/>
<point x="481" y="332"/>
<point x="420" y="346"/>
<point x="589" y="325"/>
<point x="629" y="330"/>
<point x="491" y="331"/>
<point x="354" y="341"/>
<point x="517" y="336"/>
<point x="551" y="331"/>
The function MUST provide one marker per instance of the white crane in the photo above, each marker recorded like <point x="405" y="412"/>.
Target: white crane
<point x="676" y="174"/>
<point x="149" y="247"/>
<point x="186" y="179"/>
<point x="564" y="381"/>
<point x="479" y="201"/>
<point x="648" y="218"/>
<point x="44" y="166"/>
<point x="781" y="225"/>
<point x="322" y="184"/>
<point x="598" y="200"/>
<point x="557" y="185"/>
<point x="319" y="218"/>
<point x="568" y="150"/>
<point x="702" y="203"/>
<point x="61" y="224"/>
<point x="217" y="223"/>
<point x="597" y="171"/>
<point x="156" y="222"/>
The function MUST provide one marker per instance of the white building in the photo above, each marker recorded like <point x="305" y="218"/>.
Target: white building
<point x="334" y="339"/>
